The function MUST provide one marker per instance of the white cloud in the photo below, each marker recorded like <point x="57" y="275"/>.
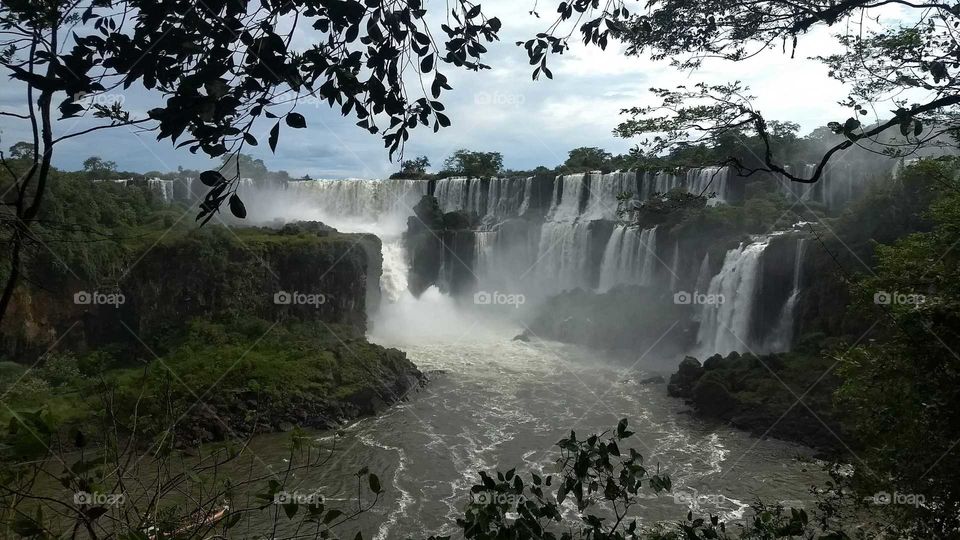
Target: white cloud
<point x="530" y="122"/>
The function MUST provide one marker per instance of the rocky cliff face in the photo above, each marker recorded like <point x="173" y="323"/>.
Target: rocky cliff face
<point x="293" y="274"/>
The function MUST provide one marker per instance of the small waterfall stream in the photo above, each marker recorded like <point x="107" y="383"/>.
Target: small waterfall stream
<point x="726" y="312"/>
<point x="781" y="338"/>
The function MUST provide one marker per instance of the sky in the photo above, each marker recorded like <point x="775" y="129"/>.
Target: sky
<point x="530" y="122"/>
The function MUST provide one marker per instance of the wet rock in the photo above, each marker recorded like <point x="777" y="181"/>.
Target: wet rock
<point x="682" y="382"/>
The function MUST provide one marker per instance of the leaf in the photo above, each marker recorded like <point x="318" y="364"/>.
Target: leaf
<point x="426" y="64"/>
<point x="95" y="512"/>
<point x="374" y="483"/>
<point x="250" y="139"/>
<point x="290" y="509"/>
<point x="296" y="120"/>
<point x="917" y="128"/>
<point x="212" y="178"/>
<point x="236" y="207"/>
<point x="332" y="515"/>
<point x="274" y="136"/>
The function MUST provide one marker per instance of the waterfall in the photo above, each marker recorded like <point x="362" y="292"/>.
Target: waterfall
<point x="369" y="201"/>
<point x="664" y="181"/>
<point x="709" y="180"/>
<point x="602" y="200"/>
<point x="564" y="255"/>
<point x="527" y="195"/>
<point x="451" y="193"/>
<point x="629" y="258"/>
<point x="781" y="338"/>
<point x="728" y="305"/>
<point x="476" y="197"/>
<point x="371" y="206"/>
<point x="483" y="259"/>
<point x="566" y="203"/>
<point x="675" y="266"/>
<point x="163" y="187"/>
<point x="393" y="282"/>
<point x="507" y="197"/>
<point x="703" y="276"/>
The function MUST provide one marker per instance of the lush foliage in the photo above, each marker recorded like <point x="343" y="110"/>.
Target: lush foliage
<point x="901" y="391"/>
<point x="474" y="164"/>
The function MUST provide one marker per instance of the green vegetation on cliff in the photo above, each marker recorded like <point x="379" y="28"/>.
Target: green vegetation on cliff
<point x="217" y="380"/>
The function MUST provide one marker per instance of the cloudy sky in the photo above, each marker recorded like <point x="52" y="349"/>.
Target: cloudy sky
<point x="530" y="122"/>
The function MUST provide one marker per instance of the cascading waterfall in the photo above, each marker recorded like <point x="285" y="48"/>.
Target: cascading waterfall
<point x="728" y="305"/>
<point x="566" y="198"/>
<point x="377" y="207"/>
<point x="675" y="266"/>
<point x="781" y="338"/>
<point x="363" y="200"/>
<point x="629" y="258"/>
<point x="566" y="250"/>
<point x="604" y="188"/>
<point x="508" y="197"/>
<point x="451" y="193"/>
<point x="393" y="281"/>
<point x="838" y="185"/>
<point x="483" y="259"/>
<point x="703" y="276"/>
<point x="163" y="187"/>
<point x="708" y="180"/>
<point x="564" y="255"/>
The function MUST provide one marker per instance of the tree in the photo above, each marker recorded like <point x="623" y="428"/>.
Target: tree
<point x="900" y="390"/>
<point x="215" y="70"/>
<point x="587" y="158"/>
<point x="22" y="150"/>
<point x="887" y="65"/>
<point x="474" y="164"/>
<point x="415" y="166"/>
<point x="96" y="166"/>
<point x="250" y="166"/>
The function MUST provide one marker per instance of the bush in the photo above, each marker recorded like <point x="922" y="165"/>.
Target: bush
<point x="59" y="369"/>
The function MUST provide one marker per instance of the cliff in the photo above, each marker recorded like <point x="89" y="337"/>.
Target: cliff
<point x="163" y="280"/>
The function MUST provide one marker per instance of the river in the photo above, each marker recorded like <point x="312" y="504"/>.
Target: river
<point x="501" y="404"/>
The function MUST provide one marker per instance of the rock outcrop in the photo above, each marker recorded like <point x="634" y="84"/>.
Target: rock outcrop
<point x="763" y="395"/>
